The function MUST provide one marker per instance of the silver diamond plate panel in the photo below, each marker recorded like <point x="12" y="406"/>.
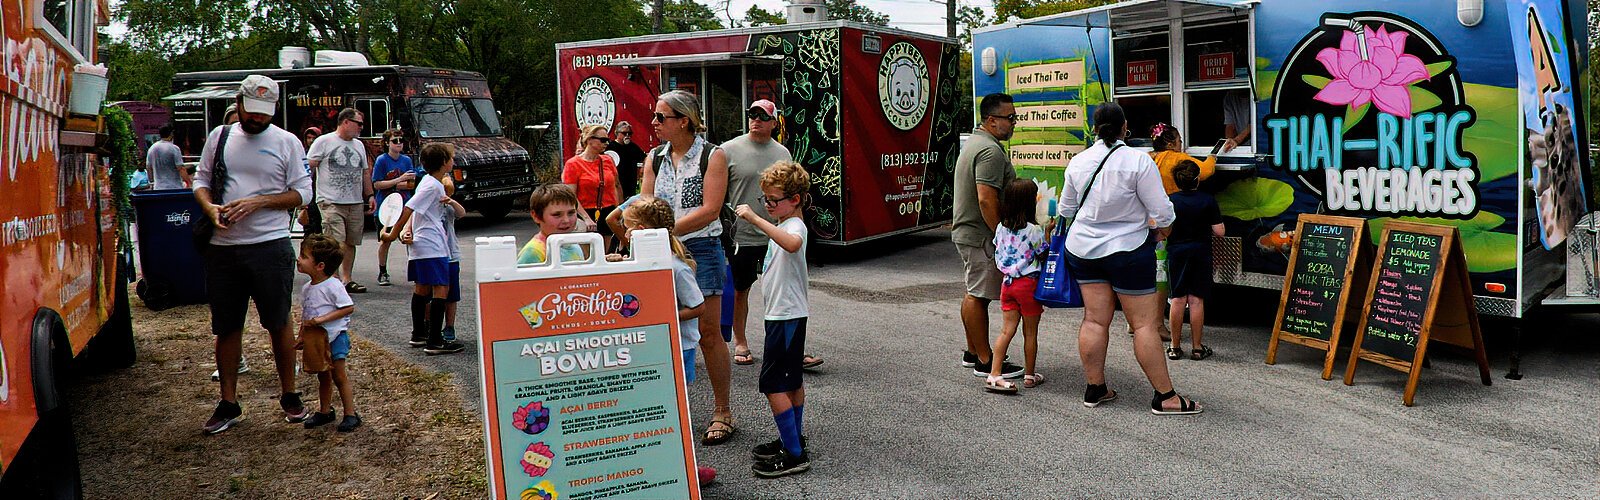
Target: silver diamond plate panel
<point x="1583" y="266"/>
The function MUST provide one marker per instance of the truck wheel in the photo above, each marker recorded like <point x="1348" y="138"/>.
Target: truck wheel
<point x="112" y="348"/>
<point x="495" y="210"/>
<point x="47" y="464"/>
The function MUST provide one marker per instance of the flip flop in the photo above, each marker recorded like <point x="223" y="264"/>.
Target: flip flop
<point x="811" y="362"/>
<point x="743" y="358"/>
<point x="718" y="435"/>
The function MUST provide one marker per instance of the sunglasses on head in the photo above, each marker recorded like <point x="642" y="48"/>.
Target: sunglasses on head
<point x="662" y="118"/>
<point x="759" y="116"/>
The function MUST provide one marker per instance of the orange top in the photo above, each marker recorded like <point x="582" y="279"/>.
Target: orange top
<point x="1166" y="160"/>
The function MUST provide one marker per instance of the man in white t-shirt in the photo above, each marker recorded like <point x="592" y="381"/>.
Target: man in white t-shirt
<point x="344" y="188"/>
<point x="249" y="258"/>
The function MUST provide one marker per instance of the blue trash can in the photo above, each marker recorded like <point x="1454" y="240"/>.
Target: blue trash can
<point x="173" y="272"/>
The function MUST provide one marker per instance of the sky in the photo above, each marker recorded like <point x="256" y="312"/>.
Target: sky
<point x="924" y="16"/>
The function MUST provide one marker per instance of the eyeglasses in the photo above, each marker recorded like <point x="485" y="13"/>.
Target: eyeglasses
<point x="663" y="118"/>
<point x="1011" y="117"/>
<point x="603" y="140"/>
<point x="759" y="116"/>
<point x="773" y="203"/>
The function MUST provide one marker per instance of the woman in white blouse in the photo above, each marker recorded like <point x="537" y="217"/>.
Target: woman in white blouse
<point x="1119" y="210"/>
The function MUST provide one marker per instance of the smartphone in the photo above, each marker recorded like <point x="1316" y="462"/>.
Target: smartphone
<point x="1218" y="147"/>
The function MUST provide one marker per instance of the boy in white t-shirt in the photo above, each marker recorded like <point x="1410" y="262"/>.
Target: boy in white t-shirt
<point x="325" y="309"/>
<point x="784" y="187"/>
<point x="429" y="265"/>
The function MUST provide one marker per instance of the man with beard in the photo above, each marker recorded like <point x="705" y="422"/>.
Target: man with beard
<point x="245" y="188"/>
<point x="982" y="169"/>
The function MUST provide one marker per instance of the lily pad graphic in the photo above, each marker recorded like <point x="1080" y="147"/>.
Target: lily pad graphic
<point x="1487" y="251"/>
<point x="1255" y="198"/>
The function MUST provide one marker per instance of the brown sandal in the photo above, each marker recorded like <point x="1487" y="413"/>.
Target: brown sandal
<point x="718" y="435"/>
<point x="743" y="358"/>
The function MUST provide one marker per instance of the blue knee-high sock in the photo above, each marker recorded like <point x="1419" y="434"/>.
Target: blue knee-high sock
<point x="789" y="431"/>
<point x="799" y="420"/>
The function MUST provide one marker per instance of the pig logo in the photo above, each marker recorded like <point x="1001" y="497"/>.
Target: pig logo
<point x="595" y="103"/>
<point x="903" y="85"/>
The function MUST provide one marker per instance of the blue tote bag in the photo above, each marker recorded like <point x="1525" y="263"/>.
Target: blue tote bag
<point x="1056" y="287"/>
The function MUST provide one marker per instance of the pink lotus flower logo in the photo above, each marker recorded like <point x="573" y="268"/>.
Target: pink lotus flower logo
<point x="1371" y="67"/>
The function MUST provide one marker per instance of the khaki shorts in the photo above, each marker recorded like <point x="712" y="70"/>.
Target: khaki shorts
<point x="316" y="355"/>
<point x="982" y="278"/>
<point x="343" y="222"/>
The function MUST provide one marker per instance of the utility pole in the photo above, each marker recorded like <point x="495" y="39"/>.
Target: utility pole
<point x="950" y="18"/>
<point x="655" y="17"/>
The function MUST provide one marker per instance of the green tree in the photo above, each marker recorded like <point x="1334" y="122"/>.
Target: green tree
<point x="1006" y="10"/>
<point x="679" y="16"/>
<point x="851" y="11"/>
<point x="758" y="16"/>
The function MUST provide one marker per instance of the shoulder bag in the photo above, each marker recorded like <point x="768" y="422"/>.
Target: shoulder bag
<point x="205" y="228"/>
<point x="1057" y="288"/>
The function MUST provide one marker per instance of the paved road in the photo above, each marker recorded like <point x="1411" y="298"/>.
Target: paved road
<point x="891" y="415"/>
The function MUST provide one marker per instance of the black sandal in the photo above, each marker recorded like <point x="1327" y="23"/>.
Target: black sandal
<point x="1185" y="406"/>
<point x="1175" y="353"/>
<point x="1198" y="354"/>
<point x="1098" y="394"/>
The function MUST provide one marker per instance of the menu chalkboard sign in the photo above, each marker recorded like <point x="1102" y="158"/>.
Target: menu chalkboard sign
<point x="1316" y="290"/>
<point x="1419" y="268"/>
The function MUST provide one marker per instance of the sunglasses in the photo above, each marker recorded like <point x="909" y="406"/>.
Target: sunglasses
<point x="663" y="118"/>
<point x="397" y="141"/>
<point x="603" y="140"/>
<point x="773" y="203"/>
<point x="759" y="116"/>
<point x="358" y="122"/>
<point x="1011" y="117"/>
<point x="625" y="132"/>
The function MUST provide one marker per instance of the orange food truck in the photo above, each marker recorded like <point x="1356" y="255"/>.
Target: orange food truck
<point x="64" y="306"/>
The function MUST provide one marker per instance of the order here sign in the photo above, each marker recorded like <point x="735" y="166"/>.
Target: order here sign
<point x="582" y="374"/>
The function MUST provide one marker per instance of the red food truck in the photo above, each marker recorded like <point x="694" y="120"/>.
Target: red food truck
<point x="883" y="168"/>
<point x="63" y="306"/>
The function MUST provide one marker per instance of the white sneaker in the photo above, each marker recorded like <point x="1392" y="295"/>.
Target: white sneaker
<point x="216" y="375"/>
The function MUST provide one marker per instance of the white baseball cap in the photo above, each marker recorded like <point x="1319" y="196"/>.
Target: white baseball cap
<point x="260" y="95"/>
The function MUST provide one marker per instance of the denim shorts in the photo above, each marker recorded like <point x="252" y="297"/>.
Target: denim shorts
<point x="1131" y="272"/>
<point x="339" y="348"/>
<point x="710" y="265"/>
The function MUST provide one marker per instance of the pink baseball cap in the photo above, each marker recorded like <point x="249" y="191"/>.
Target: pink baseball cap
<point x="766" y="107"/>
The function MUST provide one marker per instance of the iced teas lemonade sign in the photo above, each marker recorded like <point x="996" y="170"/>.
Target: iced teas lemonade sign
<point x="582" y="380"/>
<point x="1369" y="113"/>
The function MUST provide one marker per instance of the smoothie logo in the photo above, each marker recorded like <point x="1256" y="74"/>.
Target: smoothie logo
<point x="1369" y="113"/>
<point x="596" y="105"/>
<point x="903" y="85"/>
<point x="571" y="305"/>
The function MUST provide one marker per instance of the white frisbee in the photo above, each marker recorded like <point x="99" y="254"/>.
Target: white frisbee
<point x="389" y="210"/>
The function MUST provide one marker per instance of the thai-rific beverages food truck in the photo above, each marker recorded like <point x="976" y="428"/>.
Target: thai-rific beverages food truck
<point x="1468" y="113"/>
<point x="869" y="111"/>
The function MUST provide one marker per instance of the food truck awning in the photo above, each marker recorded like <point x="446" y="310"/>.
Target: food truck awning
<point x="706" y="57"/>
<point x="1127" y="13"/>
<point x="205" y="92"/>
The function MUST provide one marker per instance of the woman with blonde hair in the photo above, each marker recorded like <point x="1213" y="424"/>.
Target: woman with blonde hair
<point x="691" y="175"/>
<point x="593" y="175"/>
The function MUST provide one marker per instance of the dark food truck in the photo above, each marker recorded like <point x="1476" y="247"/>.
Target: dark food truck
<point x="429" y="104"/>
<point x="869" y="111"/>
<point x="1466" y="113"/>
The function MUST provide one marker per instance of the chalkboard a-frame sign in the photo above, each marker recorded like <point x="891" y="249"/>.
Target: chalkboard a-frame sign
<point x="1419" y="291"/>
<point x="1316" y="291"/>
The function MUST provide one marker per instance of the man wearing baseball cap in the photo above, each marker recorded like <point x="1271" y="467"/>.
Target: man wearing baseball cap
<point x="748" y="156"/>
<point x="250" y="174"/>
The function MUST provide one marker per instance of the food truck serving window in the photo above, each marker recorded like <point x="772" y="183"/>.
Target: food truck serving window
<point x="446" y="117"/>
<point x="1141" y="61"/>
<point x="1216" y="79"/>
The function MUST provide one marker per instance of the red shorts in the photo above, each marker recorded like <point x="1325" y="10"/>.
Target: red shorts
<point x="1018" y="295"/>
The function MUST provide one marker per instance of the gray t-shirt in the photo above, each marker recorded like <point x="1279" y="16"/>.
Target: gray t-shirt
<point x="267" y="163"/>
<point x="1236" y="111"/>
<point x="163" y="161"/>
<point x="746" y="160"/>
<point x="982" y="161"/>
<point x="342" y="171"/>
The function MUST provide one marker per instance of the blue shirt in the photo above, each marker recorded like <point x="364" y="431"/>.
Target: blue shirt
<point x="386" y="168"/>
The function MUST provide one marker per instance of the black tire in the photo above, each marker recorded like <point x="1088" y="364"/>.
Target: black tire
<point x="112" y="348"/>
<point x="156" y="294"/>
<point x="47" y="464"/>
<point x="496" y="209"/>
